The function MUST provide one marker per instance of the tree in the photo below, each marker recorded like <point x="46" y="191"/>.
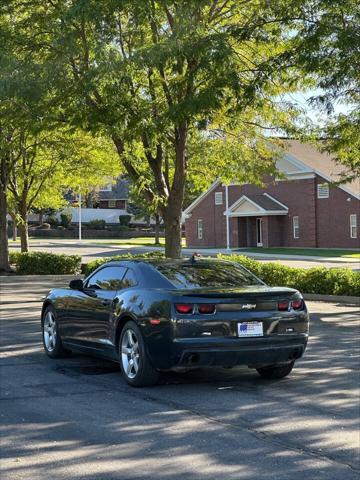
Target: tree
<point x="50" y="163"/>
<point x="327" y="46"/>
<point x="5" y="167"/>
<point x="23" y="104"/>
<point x="343" y="140"/>
<point x="10" y="108"/>
<point x="156" y="75"/>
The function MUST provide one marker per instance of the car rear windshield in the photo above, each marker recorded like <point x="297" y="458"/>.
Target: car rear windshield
<point x="202" y="275"/>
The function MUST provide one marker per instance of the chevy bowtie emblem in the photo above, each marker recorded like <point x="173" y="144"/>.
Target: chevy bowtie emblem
<point x="248" y="306"/>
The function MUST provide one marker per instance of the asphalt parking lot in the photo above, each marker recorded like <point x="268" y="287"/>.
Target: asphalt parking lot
<point x="75" y="418"/>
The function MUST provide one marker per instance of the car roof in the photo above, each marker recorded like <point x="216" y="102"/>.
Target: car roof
<point x="166" y="261"/>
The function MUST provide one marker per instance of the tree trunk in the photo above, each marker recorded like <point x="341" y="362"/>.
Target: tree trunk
<point x="41" y="218"/>
<point x="172" y="221"/>
<point x="157" y="229"/>
<point x="14" y="231"/>
<point x="24" y="229"/>
<point x="4" y="244"/>
<point x="173" y="210"/>
<point x="14" y="225"/>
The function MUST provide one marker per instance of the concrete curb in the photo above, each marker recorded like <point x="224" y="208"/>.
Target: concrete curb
<point x="36" y="278"/>
<point x="332" y="298"/>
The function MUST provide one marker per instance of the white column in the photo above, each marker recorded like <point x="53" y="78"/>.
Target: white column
<point x="227" y="218"/>
<point x="79" y="217"/>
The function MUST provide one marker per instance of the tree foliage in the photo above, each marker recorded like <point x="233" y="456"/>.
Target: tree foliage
<point x="328" y="48"/>
<point x="49" y="163"/>
<point x="162" y="77"/>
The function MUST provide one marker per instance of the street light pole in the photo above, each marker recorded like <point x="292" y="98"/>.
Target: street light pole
<point x="227" y="218"/>
<point x="79" y="217"/>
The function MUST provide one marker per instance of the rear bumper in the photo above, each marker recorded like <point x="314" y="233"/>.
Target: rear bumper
<point x="253" y="352"/>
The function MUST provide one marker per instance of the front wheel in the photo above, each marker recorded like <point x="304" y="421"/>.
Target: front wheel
<point x="134" y="360"/>
<point x="50" y="334"/>
<point x="275" y="371"/>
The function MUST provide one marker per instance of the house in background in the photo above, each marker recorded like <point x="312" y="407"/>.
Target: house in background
<point x="113" y="195"/>
<point x="107" y="203"/>
<point x="301" y="209"/>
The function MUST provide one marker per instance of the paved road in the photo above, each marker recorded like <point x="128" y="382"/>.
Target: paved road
<point x="90" y="251"/>
<point x="76" y="418"/>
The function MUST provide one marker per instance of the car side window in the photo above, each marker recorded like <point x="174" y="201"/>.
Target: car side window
<point x="129" y="279"/>
<point x="108" y="278"/>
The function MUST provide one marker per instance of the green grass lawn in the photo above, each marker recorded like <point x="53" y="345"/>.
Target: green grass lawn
<point x="313" y="252"/>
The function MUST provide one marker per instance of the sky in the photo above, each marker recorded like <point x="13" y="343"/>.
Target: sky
<point x="315" y="114"/>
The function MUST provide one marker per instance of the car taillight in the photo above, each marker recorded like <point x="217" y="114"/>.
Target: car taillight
<point x="184" y="307"/>
<point x="297" y="304"/>
<point x="283" y="305"/>
<point x="155" y="321"/>
<point x="206" y="308"/>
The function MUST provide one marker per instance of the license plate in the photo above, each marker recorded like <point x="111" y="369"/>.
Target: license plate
<point x="250" y="329"/>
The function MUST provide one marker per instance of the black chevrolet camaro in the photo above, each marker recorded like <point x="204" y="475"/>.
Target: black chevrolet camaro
<point x="158" y="315"/>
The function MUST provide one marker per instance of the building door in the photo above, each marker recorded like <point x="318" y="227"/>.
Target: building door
<point x="259" y="236"/>
<point x="242" y="232"/>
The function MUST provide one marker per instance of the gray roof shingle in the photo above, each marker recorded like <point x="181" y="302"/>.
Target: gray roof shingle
<point x="119" y="191"/>
<point x="266" y="203"/>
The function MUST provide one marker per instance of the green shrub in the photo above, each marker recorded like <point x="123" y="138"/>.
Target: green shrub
<point x="13" y="257"/>
<point x="318" y="280"/>
<point x="41" y="263"/>
<point x="96" y="224"/>
<point x="94" y="264"/>
<point x="52" y="220"/>
<point x="253" y="265"/>
<point x="119" y="228"/>
<point x="44" y="226"/>
<point x="124" y="220"/>
<point x="65" y="219"/>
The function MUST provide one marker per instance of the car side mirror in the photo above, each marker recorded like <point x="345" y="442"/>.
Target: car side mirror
<point x="76" y="284"/>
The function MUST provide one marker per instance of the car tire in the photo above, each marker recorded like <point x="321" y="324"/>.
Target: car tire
<point x="134" y="361"/>
<point x="50" y="334"/>
<point x="275" y="371"/>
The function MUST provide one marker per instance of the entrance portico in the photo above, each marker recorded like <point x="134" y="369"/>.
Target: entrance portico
<point x="260" y="220"/>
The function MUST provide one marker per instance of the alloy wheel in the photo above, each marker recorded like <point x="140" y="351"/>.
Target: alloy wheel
<point x="130" y="354"/>
<point x="50" y="331"/>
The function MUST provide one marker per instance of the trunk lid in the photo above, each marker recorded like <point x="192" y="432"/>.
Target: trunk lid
<point x="257" y="303"/>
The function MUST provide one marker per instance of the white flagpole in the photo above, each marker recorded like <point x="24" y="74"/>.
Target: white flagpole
<point x="227" y="218"/>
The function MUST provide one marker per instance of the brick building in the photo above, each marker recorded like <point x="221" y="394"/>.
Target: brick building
<point x="301" y="209"/>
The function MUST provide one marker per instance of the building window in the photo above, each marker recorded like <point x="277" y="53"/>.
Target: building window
<point x="353" y="226"/>
<point x="296" y="227"/>
<point x="112" y="203"/>
<point x="218" y="198"/>
<point x="323" y="190"/>
<point x="200" y="229"/>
